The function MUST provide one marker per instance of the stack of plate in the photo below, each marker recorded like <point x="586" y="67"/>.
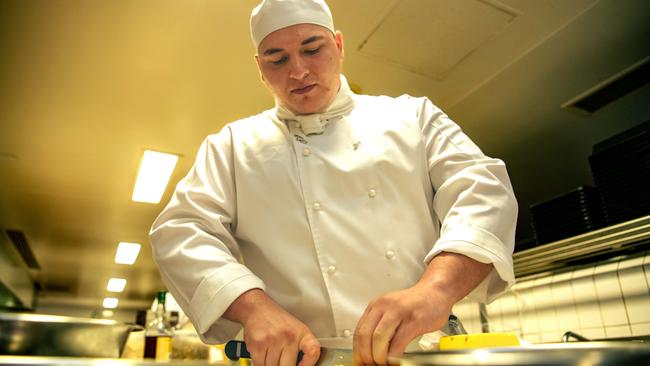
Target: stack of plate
<point x="570" y="214"/>
<point x="524" y="244"/>
<point x="620" y="166"/>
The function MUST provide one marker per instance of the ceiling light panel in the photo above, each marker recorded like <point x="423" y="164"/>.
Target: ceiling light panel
<point x="127" y="253"/>
<point x="116" y="284"/>
<point x="155" y="171"/>
<point x="110" y="302"/>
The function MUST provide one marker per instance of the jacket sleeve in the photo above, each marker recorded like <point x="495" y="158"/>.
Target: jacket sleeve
<point x="473" y="200"/>
<point x="193" y="243"/>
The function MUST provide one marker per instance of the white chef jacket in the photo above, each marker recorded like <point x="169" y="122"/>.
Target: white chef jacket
<point x="325" y="223"/>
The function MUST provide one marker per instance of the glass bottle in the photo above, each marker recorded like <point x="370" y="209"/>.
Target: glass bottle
<point x="159" y="333"/>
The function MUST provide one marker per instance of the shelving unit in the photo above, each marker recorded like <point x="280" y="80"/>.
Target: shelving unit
<point x="621" y="238"/>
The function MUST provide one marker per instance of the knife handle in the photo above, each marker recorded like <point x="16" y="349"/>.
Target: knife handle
<point x="237" y="349"/>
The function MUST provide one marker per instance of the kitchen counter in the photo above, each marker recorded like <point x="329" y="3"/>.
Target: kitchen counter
<point x="69" y="361"/>
<point x="560" y="354"/>
<point x="564" y="354"/>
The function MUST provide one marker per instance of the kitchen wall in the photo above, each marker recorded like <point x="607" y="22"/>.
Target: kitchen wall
<point x="608" y="299"/>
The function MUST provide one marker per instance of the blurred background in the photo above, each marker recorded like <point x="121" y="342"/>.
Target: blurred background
<point x="86" y="86"/>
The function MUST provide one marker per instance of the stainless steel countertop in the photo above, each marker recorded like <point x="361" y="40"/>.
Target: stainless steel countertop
<point x="565" y="354"/>
<point x="78" y="361"/>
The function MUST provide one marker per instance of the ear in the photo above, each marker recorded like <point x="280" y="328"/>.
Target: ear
<point x="257" y="61"/>
<point x="338" y="38"/>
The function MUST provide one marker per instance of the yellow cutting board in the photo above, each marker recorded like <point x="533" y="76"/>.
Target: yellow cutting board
<point x="479" y="340"/>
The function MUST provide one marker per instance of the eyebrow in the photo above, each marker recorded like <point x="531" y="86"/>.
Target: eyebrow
<point x="309" y="40"/>
<point x="271" y="51"/>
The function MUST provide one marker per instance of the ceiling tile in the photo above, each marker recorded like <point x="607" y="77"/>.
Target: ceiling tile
<point x="432" y="37"/>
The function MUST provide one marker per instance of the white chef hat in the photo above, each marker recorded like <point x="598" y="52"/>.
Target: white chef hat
<point x="271" y="15"/>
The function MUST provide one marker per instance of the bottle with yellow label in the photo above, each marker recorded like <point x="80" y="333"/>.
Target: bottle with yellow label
<point x="159" y="333"/>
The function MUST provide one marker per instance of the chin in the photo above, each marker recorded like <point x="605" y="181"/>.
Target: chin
<point x="306" y="108"/>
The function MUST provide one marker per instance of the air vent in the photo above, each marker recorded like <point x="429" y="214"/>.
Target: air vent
<point x="19" y="240"/>
<point x="612" y="89"/>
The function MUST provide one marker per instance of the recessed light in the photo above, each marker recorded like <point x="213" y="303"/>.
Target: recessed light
<point x="127" y="253"/>
<point x="153" y="176"/>
<point x="110" y="302"/>
<point x="106" y="313"/>
<point x="116" y="284"/>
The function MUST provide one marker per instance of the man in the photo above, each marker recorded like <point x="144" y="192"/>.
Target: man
<point x="358" y="217"/>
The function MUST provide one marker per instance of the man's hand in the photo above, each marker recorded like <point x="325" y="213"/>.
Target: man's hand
<point x="393" y="320"/>
<point x="272" y="335"/>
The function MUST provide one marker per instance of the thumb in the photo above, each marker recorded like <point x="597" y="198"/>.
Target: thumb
<point x="310" y="348"/>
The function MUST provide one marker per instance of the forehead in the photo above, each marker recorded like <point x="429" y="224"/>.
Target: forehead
<point x="292" y="36"/>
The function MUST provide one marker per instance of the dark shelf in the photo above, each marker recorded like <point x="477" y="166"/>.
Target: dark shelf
<point x="624" y="238"/>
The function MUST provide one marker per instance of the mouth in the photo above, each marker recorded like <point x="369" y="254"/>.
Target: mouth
<point x="303" y="90"/>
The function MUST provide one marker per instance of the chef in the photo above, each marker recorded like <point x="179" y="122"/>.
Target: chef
<point x="332" y="214"/>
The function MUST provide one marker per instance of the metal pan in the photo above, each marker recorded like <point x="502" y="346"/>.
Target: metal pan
<point x="50" y="335"/>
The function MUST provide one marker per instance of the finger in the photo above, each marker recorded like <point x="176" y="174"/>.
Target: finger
<point x="362" y="341"/>
<point x="258" y="354"/>
<point x="272" y="356"/>
<point x="404" y="334"/>
<point x="381" y="338"/>
<point x="310" y="348"/>
<point x="258" y="358"/>
<point x="355" y="338"/>
<point x="288" y="355"/>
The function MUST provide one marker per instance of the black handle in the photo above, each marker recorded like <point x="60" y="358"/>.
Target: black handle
<point x="237" y="349"/>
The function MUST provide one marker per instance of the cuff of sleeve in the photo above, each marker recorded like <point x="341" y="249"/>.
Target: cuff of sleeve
<point x="214" y="295"/>
<point x="484" y="247"/>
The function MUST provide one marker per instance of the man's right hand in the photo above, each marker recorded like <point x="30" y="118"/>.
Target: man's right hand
<point x="272" y="335"/>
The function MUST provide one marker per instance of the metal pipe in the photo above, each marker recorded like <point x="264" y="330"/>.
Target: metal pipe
<point x="568" y="335"/>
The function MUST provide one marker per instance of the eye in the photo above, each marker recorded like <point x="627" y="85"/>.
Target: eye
<point x="312" y="51"/>
<point x="280" y="61"/>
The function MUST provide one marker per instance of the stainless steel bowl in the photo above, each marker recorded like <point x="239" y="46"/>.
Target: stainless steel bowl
<point x="578" y="354"/>
<point x="50" y="335"/>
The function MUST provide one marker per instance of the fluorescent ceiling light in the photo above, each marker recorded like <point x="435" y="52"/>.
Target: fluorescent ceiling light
<point x="116" y="284"/>
<point x="107" y="313"/>
<point x="155" y="170"/>
<point x="110" y="303"/>
<point x="127" y="253"/>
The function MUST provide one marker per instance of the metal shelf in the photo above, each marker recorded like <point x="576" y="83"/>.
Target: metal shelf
<point x="623" y="237"/>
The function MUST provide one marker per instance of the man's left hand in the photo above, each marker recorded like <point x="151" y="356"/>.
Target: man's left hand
<point x="393" y="320"/>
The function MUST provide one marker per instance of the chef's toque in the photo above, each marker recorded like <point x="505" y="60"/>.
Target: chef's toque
<point x="271" y="15"/>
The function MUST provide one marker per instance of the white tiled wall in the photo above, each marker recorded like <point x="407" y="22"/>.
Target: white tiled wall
<point x="605" y="300"/>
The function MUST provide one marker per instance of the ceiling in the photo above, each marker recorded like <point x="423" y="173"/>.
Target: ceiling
<point x="87" y="85"/>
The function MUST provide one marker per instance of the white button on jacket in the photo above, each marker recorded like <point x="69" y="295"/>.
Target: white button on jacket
<point x="248" y="195"/>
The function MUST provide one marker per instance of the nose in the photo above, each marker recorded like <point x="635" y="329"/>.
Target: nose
<point x="299" y="69"/>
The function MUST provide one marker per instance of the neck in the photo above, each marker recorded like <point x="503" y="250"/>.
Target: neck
<point x="341" y="105"/>
<point x="342" y="92"/>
